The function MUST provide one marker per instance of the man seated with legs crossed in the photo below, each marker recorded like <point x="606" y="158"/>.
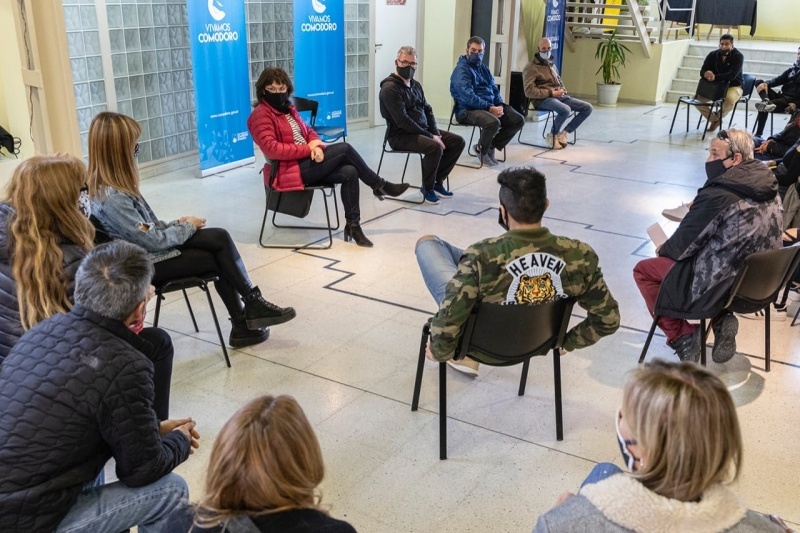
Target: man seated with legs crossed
<point x="412" y="126"/>
<point x="544" y="87"/>
<point x="785" y="101"/>
<point x="736" y="212"/>
<point x="526" y="265"/>
<point x="77" y="390"/>
<point x="478" y="103"/>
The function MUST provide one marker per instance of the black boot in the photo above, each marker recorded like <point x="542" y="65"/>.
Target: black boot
<point x="259" y="313"/>
<point x="242" y="336"/>
<point x="353" y="231"/>
<point x="390" y="189"/>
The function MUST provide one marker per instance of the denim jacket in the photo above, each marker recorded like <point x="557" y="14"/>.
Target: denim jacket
<point x="126" y="217"/>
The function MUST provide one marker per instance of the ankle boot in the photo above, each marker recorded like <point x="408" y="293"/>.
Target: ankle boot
<point x="242" y="336"/>
<point x="259" y="313"/>
<point x="353" y="231"/>
<point x="390" y="189"/>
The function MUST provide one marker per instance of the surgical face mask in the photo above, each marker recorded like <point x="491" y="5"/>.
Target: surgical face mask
<point x="546" y="55"/>
<point x="500" y="220"/>
<point x="627" y="456"/>
<point x="716" y="168"/>
<point x="83" y="202"/>
<point x="475" y="58"/>
<point x="407" y="73"/>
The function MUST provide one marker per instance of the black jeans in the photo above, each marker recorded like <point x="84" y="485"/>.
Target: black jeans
<point x="342" y="164"/>
<point x="780" y="102"/>
<point x="495" y="132"/>
<point x="436" y="163"/>
<point x="210" y="251"/>
<point x="162" y="368"/>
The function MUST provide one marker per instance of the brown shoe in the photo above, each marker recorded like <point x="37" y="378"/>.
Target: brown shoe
<point x="465" y="366"/>
<point x="562" y="139"/>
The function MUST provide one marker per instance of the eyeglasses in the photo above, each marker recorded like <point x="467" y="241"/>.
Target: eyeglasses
<point x="136" y="150"/>
<point x="412" y="64"/>
<point x="274" y="90"/>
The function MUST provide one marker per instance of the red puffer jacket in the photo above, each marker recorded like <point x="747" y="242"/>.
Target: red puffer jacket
<point x="273" y="134"/>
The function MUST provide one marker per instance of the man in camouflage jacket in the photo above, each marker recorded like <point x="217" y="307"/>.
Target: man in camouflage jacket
<point x="737" y="212"/>
<point x="525" y="265"/>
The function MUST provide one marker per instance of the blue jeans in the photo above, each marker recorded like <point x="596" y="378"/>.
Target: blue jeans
<point x="438" y="261"/>
<point x="117" y="507"/>
<point x="600" y="472"/>
<point x="563" y="107"/>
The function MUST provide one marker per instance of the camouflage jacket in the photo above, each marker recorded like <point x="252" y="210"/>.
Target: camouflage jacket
<point x="526" y="267"/>
<point x="732" y="216"/>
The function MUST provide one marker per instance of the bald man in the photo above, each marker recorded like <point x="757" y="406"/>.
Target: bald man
<point x="543" y="85"/>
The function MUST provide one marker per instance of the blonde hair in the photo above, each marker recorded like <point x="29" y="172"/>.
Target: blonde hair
<point x="741" y="142"/>
<point x="112" y="141"/>
<point x="685" y="421"/>
<point x="44" y="193"/>
<point x="266" y="459"/>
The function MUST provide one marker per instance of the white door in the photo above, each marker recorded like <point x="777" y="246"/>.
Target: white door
<point x="395" y="26"/>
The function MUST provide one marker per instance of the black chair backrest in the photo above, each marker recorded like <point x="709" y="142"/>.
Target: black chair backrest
<point x="711" y="89"/>
<point x="762" y="277"/>
<point x="513" y="333"/>
<point x="748" y="85"/>
<point x="305" y="104"/>
<point x="100" y="235"/>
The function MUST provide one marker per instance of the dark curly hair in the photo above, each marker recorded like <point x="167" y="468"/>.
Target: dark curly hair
<point x="523" y="193"/>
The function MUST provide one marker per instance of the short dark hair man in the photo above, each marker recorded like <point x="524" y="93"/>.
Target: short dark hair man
<point x="543" y="85"/>
<point x="478" y="103"/>
<point x="723" y="65"/>
<point x="411" y="125"/>
<point x="499" y="269"/>
<point x="76" y="390"/>
<point x="785" y="101"/>
<point x="736" y="212"/>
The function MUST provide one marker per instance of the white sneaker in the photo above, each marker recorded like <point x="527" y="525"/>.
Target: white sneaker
<point x="676" y="214"/>
<point x="765" y="106"/>
<point x="794" y="294"/>
<point x="775" y="315"/>
<point x="465" y="366"/>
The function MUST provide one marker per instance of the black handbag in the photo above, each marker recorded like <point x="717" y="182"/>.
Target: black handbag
<point x="292" y="203"/>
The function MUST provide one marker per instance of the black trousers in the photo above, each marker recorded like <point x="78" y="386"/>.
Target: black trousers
<point x="436" y="163"/>
<point x="495" y="132"/>
<point x="162" y="368"/>
<point x="342" y="164"/>
<point x="210" y="251"/>
<point x="776" y="98"/>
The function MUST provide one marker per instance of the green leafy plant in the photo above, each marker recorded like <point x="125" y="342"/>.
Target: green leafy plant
<point x="611" y="54"/>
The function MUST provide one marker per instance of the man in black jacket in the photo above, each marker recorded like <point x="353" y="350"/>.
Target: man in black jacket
<point x="737" y="212"/>
<point x="76" y="390"/>
<point x="723" y="65"/>
<point x="412" y="126"/>
<point x="776" y="145"/>
<point x="785" y="101"/>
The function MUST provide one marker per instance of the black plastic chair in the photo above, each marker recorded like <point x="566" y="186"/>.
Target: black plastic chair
<point x="450" y="124"/>
<point x="298" y="205"/>
<point x="551" y="115"/>
<point x="327" y="134"/>
<point x="714" y="92"/>
<point x="757" y="285"/>
<point x="511" y="334"/>
<point x="748" y="85"/>
<point x="189" y="283"/>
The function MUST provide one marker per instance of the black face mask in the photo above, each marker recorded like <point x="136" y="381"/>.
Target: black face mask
<point x="407" y="73"/>
<point x="279" y="101"/>
<point x="500" y="220"/>
<point x="716" y="168"/>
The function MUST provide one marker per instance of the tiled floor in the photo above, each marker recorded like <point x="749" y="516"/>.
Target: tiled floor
<point x="349" y="357"/>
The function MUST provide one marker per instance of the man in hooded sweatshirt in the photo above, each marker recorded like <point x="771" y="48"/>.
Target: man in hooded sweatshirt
<point x="411" y="126"/>
<point x="736" y="212"/>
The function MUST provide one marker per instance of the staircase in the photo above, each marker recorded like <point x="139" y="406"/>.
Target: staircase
<point x="763" y="64"/>
<point x="594" y="19"/>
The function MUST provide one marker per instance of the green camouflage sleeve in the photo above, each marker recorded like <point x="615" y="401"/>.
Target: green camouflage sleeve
<point x="602" y="310"/>
<point x="460" y="297"/>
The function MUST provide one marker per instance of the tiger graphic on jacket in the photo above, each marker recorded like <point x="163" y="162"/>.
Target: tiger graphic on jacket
<point x="535" y="289"/>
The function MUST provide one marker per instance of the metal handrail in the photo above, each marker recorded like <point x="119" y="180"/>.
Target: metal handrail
<point x="664" y="7"/>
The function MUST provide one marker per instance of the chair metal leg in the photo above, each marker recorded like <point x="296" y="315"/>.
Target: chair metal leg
<point x="703" y="339"/>
<point x="310" y="246"/>
<point x="442" y="411"/>
<point x="649" y="338"/>
<point x="524" y="379"/>
<point x="674" y="116"/>
<point x="469" y="151"/>
<point x="423" y="343"/>
<point x="766" y="338"/>
<point x="402" y="180"/>
<point x="191" y="312"/>
<point x="204" y="288"/>
<point x="557" y="383"/>
<point x="159" y="297"/>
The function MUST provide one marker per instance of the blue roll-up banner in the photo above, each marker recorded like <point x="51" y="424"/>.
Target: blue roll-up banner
<point x="319" y="58"/>
<point x="555" y="19"/>
<point x="218" y="36"/>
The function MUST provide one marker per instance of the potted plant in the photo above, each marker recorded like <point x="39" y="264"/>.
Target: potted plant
<point x="611" y="54"/>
